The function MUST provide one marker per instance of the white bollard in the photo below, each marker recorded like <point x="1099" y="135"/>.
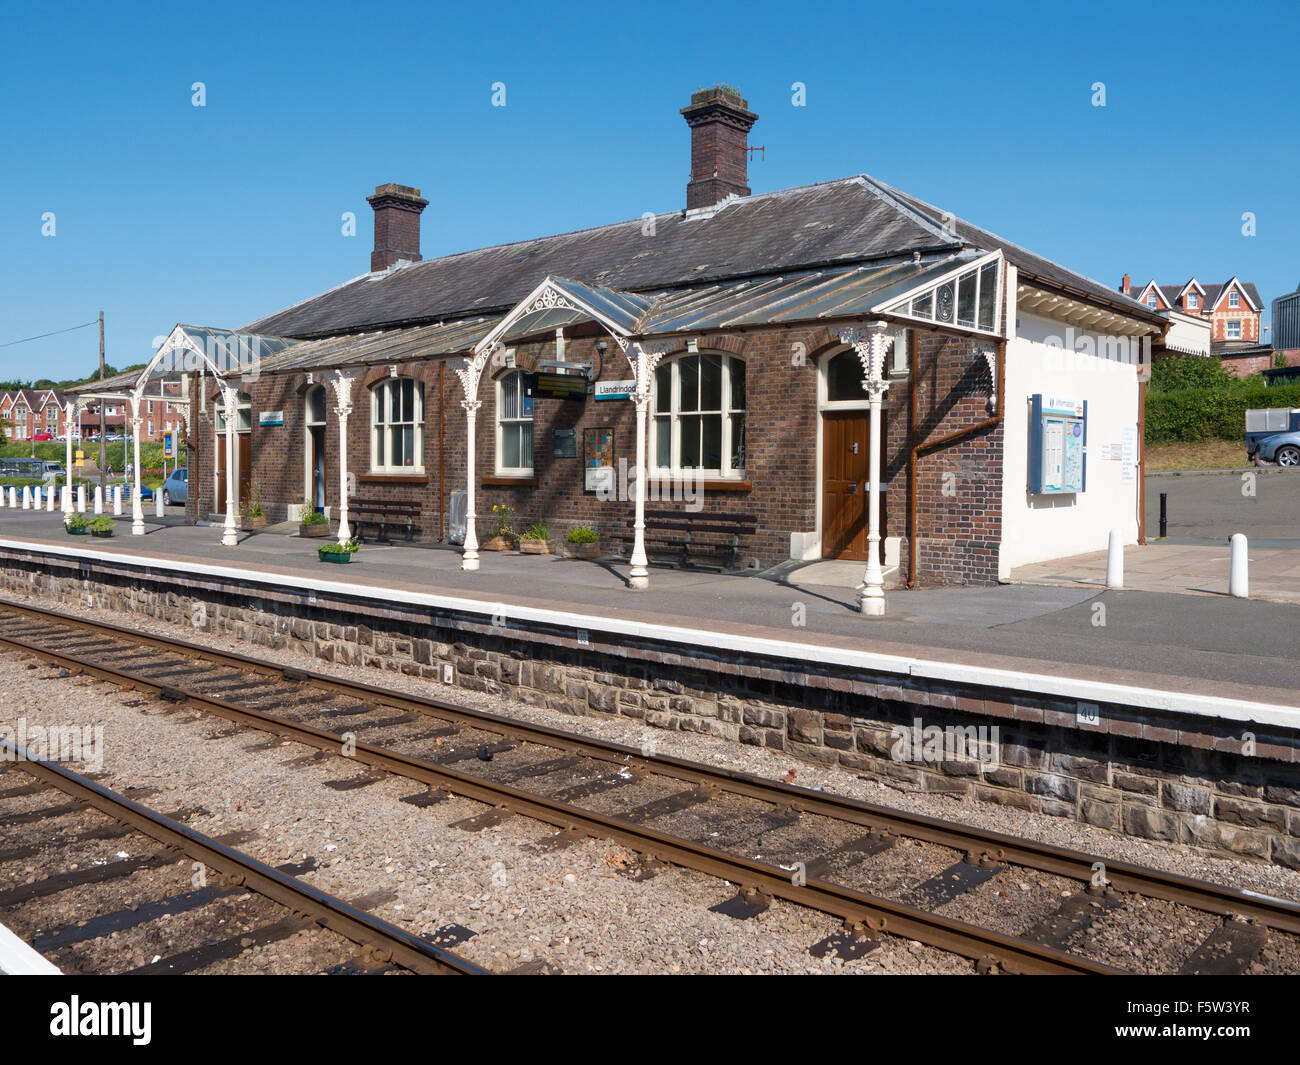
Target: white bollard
<point x="1115" y="560"/>
<point x="1238" y="568"/>
<point x="13" y="497"/>
<point x="49" y="498"/>
<point x="81" y="498"/>
<point x="27" y="497"/>
<point x="99" y="499"/>
<point x="158" y="503"/>
<point x="117" y="500"/>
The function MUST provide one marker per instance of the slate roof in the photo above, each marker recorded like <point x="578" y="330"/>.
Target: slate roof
<point x="1169" y="293"/>
<point x="837" y="223"/>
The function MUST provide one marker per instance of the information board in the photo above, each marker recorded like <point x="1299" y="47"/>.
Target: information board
<point x="1058" y="438"/>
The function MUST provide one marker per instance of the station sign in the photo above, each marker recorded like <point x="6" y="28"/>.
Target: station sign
<point x="270" y="417"/>
<point x="1058" y="439"/>
<point x="615" y="389"/>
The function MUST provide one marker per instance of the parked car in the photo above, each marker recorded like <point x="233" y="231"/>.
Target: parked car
<point x="1273" y="435"/>
<point x="43" y="436"/>
<point x="145" y="491"/>
<point x="176" y="489"/>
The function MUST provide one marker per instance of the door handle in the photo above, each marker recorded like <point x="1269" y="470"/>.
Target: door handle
<point x="854" y="447"/>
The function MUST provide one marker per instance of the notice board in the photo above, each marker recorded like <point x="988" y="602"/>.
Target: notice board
<point x="1058" y="441"/>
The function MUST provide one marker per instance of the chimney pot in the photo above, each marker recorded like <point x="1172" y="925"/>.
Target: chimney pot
<point x="397" y="225"/>
<point x="720" y="122"/>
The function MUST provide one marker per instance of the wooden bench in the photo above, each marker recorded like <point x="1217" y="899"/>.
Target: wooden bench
<point x="382" y="513"/>
<point x="680" y="528"/>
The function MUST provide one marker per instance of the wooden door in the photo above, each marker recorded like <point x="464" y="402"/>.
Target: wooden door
<point x="317" y="434"/>
<point x="243" y="463"/>
<point x="845" y="470"/>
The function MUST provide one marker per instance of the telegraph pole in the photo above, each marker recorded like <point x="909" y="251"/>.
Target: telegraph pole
<point x="101" y="401"/>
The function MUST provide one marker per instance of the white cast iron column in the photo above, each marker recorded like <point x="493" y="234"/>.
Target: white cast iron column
<point x="469" y="375"/>
<point x="230" y="533"/>
<point x="137" y="511"/>
<point x="872" y="346"/>
<point x="643" y="365"/>
<point x="69" y="409"/>
<point x="342" y="382"/>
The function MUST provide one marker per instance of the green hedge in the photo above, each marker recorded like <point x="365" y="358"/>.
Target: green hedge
<point x="1187" y="415"/>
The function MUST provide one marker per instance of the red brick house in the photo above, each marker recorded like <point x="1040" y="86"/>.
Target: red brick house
<point x="775" y="330"/>
<point x="1234" y="310"/>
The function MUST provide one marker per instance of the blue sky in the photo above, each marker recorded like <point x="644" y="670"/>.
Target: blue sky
<point x="167" y="212"/>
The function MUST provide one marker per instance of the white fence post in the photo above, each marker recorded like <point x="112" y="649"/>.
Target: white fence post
<point x="99" y="499"/>
<point x="117" y="500"/>
<point x="158" y="502"/>
<point x="1238" y="568"/>
<point x="81" y="498"/>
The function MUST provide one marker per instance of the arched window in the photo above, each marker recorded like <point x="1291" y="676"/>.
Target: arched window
<point x="316" y="405"/>
<point x="397" y="426"/>
<point x="514" y="426"/>
<point x="699" y="415"/>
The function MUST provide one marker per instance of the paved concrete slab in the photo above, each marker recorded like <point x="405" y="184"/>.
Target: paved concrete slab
<point x="1190" y="569"/>
<point x="1206" y="644"/>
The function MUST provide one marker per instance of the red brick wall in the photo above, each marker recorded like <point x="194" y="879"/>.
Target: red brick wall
<point x="960" y="516"/>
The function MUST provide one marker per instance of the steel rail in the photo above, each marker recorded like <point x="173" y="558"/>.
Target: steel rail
<point x="1282" y="914"/>
<point x="387" y="941"/>
<point x="855" y="908"/>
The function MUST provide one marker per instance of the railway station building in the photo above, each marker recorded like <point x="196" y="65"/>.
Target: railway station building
<point x="759" y="337"/>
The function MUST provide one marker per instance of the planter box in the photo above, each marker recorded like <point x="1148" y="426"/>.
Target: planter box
<point x="497" y="543"/>
<point x="252" y="524"/>
<point x="320" y="528"/>
<point x="535" y="547"/>
<point x="102" y="535"/>
<point x="590" y="552"/>
<point x="76" y="532"/>
<point x="338" y="558"/>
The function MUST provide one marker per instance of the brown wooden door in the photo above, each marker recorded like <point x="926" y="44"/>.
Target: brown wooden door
<point x="244" y="444"/>
<point x="845" y="469"/>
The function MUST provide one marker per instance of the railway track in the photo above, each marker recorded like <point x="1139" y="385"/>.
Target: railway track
<point x="856" y="860"/>
<point x="186" y="901"/>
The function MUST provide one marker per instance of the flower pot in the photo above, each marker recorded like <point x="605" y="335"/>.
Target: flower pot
<point x="497" y="543"/>
<point x="251" y="523"/>
<point x="535" y="547"/>
<point x="102" y="535"/>
<point x="76" y="532"/>
<point x="590" y="552"/>
<point x="338" y="558"/>
<point x="320" y="528"/>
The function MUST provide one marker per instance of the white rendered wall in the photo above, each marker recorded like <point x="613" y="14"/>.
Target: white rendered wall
<point x="1039" y="528"/>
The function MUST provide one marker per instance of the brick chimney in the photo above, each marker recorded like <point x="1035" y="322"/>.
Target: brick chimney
<point x="720" y="122"/>
<point x="397" y="225"/>
<point x="1127" y="284"/>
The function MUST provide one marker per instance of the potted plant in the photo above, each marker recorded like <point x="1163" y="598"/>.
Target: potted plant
<point x="101" y="527"/>
<point x="582" y="543"/>
<point x="536" y="540"/>
<point x="339" y="554"/>
<point x="503" y="534"/>
<point x="251" y="514"/>
<point x="313" y="523"/>
<point x="76" y="524"/>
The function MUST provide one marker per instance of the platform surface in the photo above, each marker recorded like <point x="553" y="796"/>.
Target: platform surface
<point x="1206" y="645"/>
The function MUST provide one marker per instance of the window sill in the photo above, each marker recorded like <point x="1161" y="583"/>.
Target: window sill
<point x="393" y="478"/>
<point x="498" y="481"/>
